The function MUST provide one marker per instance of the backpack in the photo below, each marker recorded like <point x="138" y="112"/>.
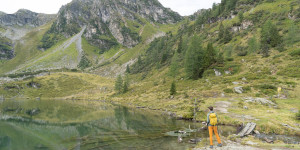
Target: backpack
<point x="213" y="119"/>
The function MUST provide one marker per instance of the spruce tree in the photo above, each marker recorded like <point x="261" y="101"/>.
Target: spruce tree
<point x="127" y="69"/>
<point x="241" y="16"/>
<point x="173" y="88"/>
<point x="119" y="84"/>
<point x="126" y="84"/>
<point x="227" y="36"/>
<point x="179" y="48"/>
<point x="221" y="31"/>
<point x="193" y="59"/>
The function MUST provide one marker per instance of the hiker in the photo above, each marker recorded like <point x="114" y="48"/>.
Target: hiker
<point x="212" y="121"/>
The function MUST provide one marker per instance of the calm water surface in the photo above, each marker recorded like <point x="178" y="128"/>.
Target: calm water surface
<point x="81" y="125"/>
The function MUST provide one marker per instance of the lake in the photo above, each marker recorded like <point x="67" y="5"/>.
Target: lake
<point x="81" y="125"/>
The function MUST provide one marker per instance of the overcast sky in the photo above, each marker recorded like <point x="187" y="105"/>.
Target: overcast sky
<point x="183" y="7"/>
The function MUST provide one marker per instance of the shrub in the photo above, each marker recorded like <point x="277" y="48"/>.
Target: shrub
<point x="295" y="53"/>
<point x="229" y="59"/>
<point x="228" y="90"/>
<point x="298" y="116"/>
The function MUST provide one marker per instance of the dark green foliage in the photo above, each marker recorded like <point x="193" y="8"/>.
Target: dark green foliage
<point x="158" y="54"/>
<point x="241" y="51"/>
<point x="209" y="56"/>
<point x="228" y="90"/>
<point x="253" y="45"/>
<point x="298" y="115"/>
<point x="295" y="52"/>
<point x="119" y="84"/>
<point x="221" y="31"/>
<point x="126" y="31"/>
<point x="227" y="36"/>
<point x="49" y="39"/>
<point x="241" y="16"/>
<point x="173" y="88"/>
<point x="127" y="69"/>
<point x="126" y="84"/>
<point x="6" y="48"/>
<point x="194" y="59"/>
<point x="179" y="48"/>
<point x="269" y="37"/>
<point x="220" y="58"/>
<point x="84" y="63"/>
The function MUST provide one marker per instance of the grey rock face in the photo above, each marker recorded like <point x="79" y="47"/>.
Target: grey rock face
<point x="111" y="22"/>
<point x="25" y="17"/>
<point x="259" y="100"/>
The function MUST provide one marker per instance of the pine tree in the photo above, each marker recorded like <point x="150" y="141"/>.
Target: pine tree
<point x="221" y="31"/>
<point x="127" y="69"/>
<point x="241" y="16"/>
<point x="119" y="84"/>
<point x="209" y="56"/>
<point x="269" y="38"/>
<point x="193" y="59"/>
<point x="179" y="48"/>
<point x="126" y="84"/>
<point x="227" y="36"/>
<point x="174" y="66"/>
<point x="173" y="88"/>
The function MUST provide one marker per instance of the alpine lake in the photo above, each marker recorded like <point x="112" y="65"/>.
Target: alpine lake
<point x="86" y="124"/>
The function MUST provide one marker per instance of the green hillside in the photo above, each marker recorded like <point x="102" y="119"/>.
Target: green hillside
<point x="236" y="52"/>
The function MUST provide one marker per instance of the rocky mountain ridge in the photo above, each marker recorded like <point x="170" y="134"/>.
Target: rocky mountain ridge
<point x="110" y="23"/>
<point x="25" y="17"/>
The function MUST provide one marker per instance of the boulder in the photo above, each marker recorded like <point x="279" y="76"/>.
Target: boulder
<point x="238" y="89"/>
<point x="259" y="100"/>
<point x="218" y="73"/>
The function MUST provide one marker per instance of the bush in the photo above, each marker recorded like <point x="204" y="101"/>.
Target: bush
<point x="298" y="116"/>
<point x="295" y="53"/>
<point x="229" y="59"/>
<point x="242" y="53"/>
<point x="228" y="90"/>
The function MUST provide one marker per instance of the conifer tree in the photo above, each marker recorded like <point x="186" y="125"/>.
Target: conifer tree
<point x="174" y="66"/>
<point x="227" y="36"/>
<point x="126" y="84"/>
<point x="119" y="84"/>
<point x="173" y="88"/>
<point x="209" y="56"/>
<point x="127" y="69"/>
<point x="179" y="48"/>
<point x="221" y="31"/>
<point x="193" y="59"/>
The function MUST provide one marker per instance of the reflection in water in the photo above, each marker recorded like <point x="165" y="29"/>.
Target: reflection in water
<point x="88" y="125"/>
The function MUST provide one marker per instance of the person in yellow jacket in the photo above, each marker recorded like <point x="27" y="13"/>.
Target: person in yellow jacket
<point x="212" y="121"/>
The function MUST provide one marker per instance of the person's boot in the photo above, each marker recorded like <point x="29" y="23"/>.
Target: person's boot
<point x="220" y="145"/>
<point x="211" y="146"/>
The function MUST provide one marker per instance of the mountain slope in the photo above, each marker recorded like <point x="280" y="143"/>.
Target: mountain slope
<point x="110" y="23"/>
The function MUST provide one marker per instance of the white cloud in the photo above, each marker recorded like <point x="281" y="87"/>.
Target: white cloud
<point x="40" y="6"/>
<point x="183" y="7"/>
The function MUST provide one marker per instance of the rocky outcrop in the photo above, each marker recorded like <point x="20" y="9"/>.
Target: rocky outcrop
<point x="25" y="17"/>
<point x="259" y="100"/>
<point x="6" y="49"/>
<point x="109" y="22"/>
